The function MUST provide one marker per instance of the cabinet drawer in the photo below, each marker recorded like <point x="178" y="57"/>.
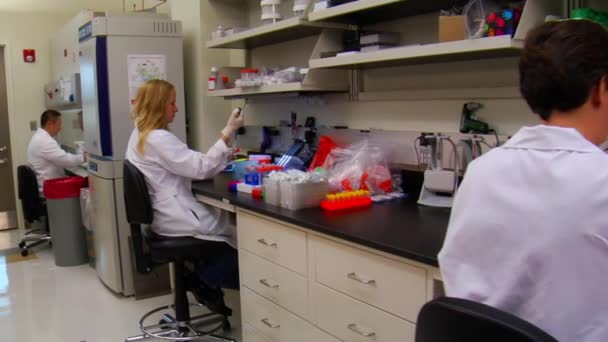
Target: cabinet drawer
<point x="278" y="324"/>
<point x="393" y="286"/>
<point x="251" y="334"/>
<point x="352" y="320"/>
<point x="280" y="244"/>
<point x="278" y="284"/>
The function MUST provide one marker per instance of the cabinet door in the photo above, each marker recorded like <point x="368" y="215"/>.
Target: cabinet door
<point x="280" y="244"/>
<point x="393" y="286"/>
<point x="251" y="334"/>
<point x="276" y="283"/>
<point x="276" y="323"/>
<point x="354" y="321"/>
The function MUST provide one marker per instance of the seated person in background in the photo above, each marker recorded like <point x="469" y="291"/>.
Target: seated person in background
<point x="528" y="232"/>
<point x="45" y="155"/>
<point x="169" y="167"/>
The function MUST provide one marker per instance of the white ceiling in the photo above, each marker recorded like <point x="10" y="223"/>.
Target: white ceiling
<point x="72" y="6"/>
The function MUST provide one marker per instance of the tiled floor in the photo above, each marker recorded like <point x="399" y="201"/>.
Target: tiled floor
<point x="42" y="302"/>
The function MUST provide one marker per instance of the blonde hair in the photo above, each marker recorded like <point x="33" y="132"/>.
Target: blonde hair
<point x="150" y="109"/>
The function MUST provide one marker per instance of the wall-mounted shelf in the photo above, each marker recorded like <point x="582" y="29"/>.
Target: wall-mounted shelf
<point x="284" y="30"/>
<point x="492" y="47"/>
<point x="365" y="12"/>
<point x="296" y="87"/>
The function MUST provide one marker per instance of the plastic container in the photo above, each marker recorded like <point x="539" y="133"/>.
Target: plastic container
<point x="241" y="168"/>
<point x="213" y="80"/>
<point x="67" y="231"/>
<point x="270" y="11"/>
<point x="295" y="196"/>
<point x="272" y="191"/>
<point x="347" y="200"/>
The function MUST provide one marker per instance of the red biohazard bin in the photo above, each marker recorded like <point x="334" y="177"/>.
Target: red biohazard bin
<point x="65" y="223"/>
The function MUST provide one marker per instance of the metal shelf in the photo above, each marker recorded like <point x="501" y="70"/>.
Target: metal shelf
<point x="491" y="47"/>
<point x="365" y="12"/>
<point x="282" y="31"/>
<point x="295" y="87"/>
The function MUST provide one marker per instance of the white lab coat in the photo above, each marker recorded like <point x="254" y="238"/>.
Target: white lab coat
<point x="528" y="233"/>
<point x="47" y="158"/>
<point x="169" y="167"/>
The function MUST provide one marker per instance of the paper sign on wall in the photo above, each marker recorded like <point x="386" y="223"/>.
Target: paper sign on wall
<point x="143" y="68"/>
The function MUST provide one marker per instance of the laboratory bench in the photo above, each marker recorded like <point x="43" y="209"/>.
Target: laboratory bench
<point x="309" y="275"/>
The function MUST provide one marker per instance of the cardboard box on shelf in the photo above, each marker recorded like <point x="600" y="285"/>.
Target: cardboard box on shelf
<point x="452" y="28"/>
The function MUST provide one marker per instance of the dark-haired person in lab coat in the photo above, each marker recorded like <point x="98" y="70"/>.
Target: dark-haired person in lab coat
<point x="44" y="155"/>
<point x="169" y="167"/>
<point x="528" y="232"/>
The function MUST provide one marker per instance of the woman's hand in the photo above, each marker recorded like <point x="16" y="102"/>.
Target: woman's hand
<point x="236" y="121"/>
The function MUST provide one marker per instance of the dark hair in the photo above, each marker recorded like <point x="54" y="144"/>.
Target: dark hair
<point x="48" y="115"/>
<point x="561" y="64"/>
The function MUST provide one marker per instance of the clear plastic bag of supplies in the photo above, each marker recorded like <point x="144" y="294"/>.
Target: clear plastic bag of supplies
<point x="85" y="208"/>
<point x="361" y="166"/>
<point x="475" y="12"/>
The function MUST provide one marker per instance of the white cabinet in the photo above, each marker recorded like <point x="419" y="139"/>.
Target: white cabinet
<point x="352" y="320"/>
<point x="272" y="241"/>
<point x="280" y="285"/>
<point x="349" y="294"/>
<point x="391" y="285"/>
<point x="276" y="323"/>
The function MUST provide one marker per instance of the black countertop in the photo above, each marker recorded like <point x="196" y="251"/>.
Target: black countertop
<point x="402" y="227"/>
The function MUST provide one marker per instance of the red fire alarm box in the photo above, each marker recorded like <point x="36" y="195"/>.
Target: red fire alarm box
<point x="29" y="55"/>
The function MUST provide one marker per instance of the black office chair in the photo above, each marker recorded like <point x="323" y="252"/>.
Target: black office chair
<point x="34" y="209"/>
<point x="447" y="319"/>
<point x="151" y="249"/>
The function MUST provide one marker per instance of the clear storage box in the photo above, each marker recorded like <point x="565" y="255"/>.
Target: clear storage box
<point x="295" y="196"/>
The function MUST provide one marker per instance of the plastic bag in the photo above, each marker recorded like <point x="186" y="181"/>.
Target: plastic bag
<point x="475" y="12"/>
<point x="361" y="166"/>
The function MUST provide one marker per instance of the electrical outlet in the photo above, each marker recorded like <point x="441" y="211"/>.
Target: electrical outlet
<point x="33" y="125"/>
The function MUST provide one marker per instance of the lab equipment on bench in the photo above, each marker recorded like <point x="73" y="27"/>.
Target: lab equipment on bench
<point x="469" y="122"/>
<point x="439" y="184"/>
<point x="119" y="53"/>
<point x="347" y="200"/>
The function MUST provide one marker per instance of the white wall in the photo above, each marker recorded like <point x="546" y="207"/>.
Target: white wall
<point x="206" y="115"/>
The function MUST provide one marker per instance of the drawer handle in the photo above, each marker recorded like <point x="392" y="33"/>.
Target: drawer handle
<point x="267" y="284"/>
<point x="266" y="243"/>
<point x="354" y="328"/>
<point x="354" y="276"/>
<point x="269" y="324"/>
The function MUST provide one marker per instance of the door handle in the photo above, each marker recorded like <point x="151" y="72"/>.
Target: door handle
<point x="269" y="324"/>
<point x="266" y="243"/>
<point x="355" y="328"/>
<point x="3" y="161"/>
<point x="355" y="277"/>
<point x="267" y="284"/>
<point x="3" y="148"/>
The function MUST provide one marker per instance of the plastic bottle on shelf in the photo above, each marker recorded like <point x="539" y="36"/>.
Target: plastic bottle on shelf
<point x="213" y="80"/>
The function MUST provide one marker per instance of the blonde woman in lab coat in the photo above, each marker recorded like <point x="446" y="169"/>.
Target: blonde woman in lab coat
<point x="169" y="167"/>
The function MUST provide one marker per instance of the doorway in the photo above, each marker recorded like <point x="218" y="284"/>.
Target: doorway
<point x="8" y="214"/>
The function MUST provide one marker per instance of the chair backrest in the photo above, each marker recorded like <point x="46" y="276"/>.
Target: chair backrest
<point x="31" y="202"/>
<point x="453" y="319"/>
<point x="139" y="212"/>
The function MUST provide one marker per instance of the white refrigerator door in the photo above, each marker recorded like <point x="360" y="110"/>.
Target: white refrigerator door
<point x="88" y="88"/>
<point x="107" y="254"/>
<point x="124" y="50"/>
